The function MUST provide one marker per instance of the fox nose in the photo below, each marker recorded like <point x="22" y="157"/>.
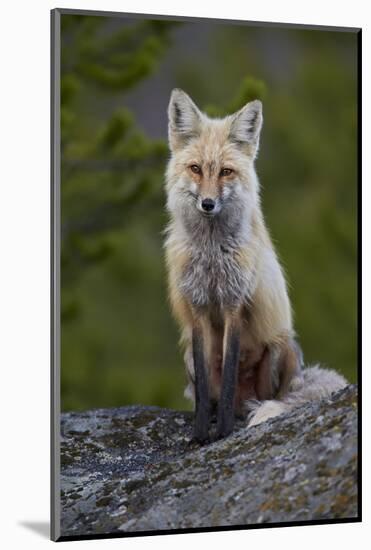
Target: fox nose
<point x="208" y="205"/>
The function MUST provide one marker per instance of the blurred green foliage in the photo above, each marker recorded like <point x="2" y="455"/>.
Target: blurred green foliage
<point x="119" y="342"/>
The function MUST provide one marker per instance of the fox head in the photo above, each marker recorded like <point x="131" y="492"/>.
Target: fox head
<point x="211" y="169"/>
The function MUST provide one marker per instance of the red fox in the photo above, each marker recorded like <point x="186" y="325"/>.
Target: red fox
<point x="226" y="286"/>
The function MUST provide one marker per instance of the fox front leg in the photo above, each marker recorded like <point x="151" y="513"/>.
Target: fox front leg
<point x="231" y="353"/>
<point x="202" y="416"/>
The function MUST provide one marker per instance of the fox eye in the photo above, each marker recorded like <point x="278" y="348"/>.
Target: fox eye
<point x="195" y="169"/>
<point x="226" y="171"/>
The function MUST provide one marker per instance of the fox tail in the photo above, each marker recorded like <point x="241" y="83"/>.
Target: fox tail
<point x="315" y="383"/>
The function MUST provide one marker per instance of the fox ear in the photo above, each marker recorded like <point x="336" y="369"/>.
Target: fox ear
<point x="246" y="126"/>
<point x="184" y="119"/>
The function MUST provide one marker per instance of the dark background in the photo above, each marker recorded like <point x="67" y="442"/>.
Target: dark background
<point x="119" y="342"/>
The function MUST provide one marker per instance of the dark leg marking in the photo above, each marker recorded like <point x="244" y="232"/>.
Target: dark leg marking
<point x="213" y="410"/>
<point x="229" y="383"/>
<point x="202" y="418"/>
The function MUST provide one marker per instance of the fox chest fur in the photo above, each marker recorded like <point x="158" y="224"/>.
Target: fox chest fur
<point x="214" y="274"/>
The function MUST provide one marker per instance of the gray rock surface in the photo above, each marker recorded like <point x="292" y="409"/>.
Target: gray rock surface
<point x="136" y="469"/>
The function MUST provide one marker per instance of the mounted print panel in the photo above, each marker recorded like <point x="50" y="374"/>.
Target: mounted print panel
<point x="205" y="245"/>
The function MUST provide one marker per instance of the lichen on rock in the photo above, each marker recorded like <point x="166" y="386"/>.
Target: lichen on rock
<point x="137" y="469"/>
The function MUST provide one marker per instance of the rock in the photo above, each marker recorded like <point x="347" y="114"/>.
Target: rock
<point x="137" y="469"/>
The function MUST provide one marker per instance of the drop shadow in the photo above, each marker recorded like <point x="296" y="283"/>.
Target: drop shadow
<point x="42" y="528"/>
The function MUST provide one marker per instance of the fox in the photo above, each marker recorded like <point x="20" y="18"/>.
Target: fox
<point x="226" y="286"/>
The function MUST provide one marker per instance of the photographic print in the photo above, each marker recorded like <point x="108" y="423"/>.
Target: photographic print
<point x="205" y="301"/>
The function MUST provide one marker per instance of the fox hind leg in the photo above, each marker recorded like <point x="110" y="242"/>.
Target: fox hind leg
<point x="289" y="366"/>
